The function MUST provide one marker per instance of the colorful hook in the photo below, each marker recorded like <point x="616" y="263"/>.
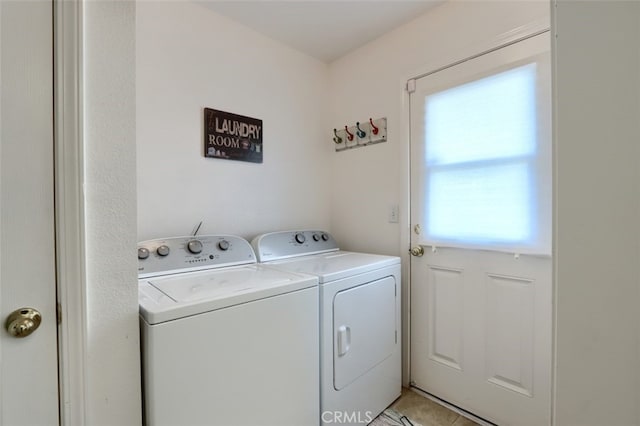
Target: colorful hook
<point x="361" y="133"/>
<point x="374" y="129"/>
<point x="349" y="134"/>
<point x="337" y="139"/>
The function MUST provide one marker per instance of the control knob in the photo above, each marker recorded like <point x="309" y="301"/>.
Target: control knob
<point x="316" y="237"/>
<point x="223" y="245"/>
<point x="300" y="238"/>
<point x="143" y="253"/>
<point x="194" y="246"/>
<point x="163" y="250"/>
<point x="325" y="236"/>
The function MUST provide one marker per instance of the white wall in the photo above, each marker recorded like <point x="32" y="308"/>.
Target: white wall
<point x="112" y="360"/>
<point x="597" y="218"/>
<point x="369" y="82"/>
<point x="189" y="57"/>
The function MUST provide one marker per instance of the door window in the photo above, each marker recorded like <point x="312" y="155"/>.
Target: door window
<point x="486" y="161"/>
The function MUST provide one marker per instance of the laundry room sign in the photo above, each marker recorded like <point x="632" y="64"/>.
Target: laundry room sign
<point x="232" y="136"/>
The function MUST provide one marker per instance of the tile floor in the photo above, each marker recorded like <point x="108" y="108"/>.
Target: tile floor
<point x="426" y="412"/>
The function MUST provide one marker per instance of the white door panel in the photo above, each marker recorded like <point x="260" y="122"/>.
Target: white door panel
<point x="510" y="331"/>
<point x="446" y="310"/>
<point x="28" y="365"/>
<point x="481" y="317"/>
<point x="481" y="339"/>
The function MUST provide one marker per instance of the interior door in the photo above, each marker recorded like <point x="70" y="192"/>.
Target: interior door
<point x="481" y="287"/>
<point x="28" y="364"/>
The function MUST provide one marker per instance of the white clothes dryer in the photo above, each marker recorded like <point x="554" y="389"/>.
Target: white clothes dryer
<point x="360" y="347"/>
<point x="225" y="341"/>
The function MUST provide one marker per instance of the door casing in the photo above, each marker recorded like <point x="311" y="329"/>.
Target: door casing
<point x="70" y="225"/>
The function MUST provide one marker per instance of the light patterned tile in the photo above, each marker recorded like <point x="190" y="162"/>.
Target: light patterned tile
<point x="424" y="411"/>
<point x="463" y="421"/>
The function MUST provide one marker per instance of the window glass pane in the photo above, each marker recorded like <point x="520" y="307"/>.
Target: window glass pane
<point x="481" y="205"/>
<point x="494" y="117"/>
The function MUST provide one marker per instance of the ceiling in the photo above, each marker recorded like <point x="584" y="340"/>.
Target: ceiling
<point x="325" y="29"/>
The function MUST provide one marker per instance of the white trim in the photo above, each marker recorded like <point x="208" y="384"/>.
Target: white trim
<point x="70" y="232"/>
<point x="554" y="204"/>
<point x="405" y="236"/>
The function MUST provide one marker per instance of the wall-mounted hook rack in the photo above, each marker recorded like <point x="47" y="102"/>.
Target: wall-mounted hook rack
<point x="362" y="134"/>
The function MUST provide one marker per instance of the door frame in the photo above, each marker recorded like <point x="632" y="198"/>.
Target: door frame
<point x="470" y="52"/>
<point x="69" y="209"/>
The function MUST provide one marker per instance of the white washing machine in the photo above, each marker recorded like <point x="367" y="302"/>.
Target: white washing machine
<point x="360" y="348"/>
<point x="225" y="341"/>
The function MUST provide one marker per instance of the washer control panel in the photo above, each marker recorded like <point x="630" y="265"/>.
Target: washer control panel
<point x="184" y="254"/>
<point x="281" y="245"/>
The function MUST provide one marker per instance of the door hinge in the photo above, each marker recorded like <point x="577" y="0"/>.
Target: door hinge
<point x="411" y="85"/>
<point x="396" y="336"/>
<point x="59" y="313"/>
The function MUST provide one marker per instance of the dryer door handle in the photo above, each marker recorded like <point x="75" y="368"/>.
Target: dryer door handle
<point x="344" y="339"/>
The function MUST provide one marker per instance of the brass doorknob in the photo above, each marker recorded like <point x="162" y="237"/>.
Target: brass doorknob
<point x="417" y="251"/>
<point x="23" y="322"/>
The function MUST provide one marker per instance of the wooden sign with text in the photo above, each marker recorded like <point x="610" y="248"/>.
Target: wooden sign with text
<point x="232" y="136"/>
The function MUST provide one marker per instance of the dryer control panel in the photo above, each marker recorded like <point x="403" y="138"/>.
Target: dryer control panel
<point x="285" y="244"/>
<point x="184" y="254"/>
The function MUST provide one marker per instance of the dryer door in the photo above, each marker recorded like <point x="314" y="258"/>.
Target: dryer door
<point x="364" y="329"/>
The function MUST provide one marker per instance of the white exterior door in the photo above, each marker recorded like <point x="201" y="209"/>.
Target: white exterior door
<point x="481" y="313"/>
<point x="28" y="365"/>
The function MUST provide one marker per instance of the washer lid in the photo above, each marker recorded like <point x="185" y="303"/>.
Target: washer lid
<point x="335" y="265"/>
<point x="176" y="296"/>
